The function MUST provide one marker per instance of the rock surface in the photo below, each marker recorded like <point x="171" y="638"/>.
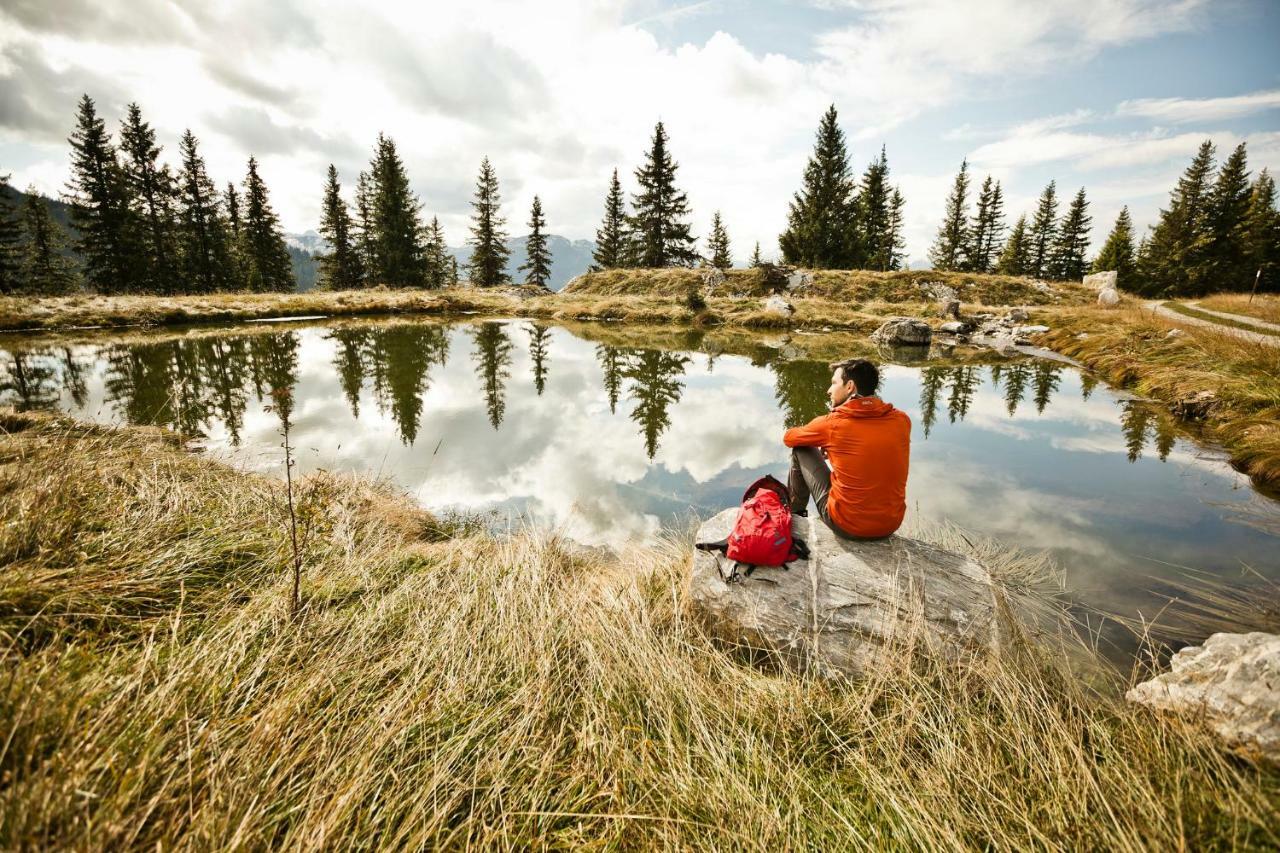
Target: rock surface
<point x="799" y="279"/>
<point x="1232" y="683"/>
<point x="903" y="331"/>
<point x="1108" y="297"/>
<point x="775" y="304"/>
<point x="1101" y="280"/>
<point x="836" y="612"/>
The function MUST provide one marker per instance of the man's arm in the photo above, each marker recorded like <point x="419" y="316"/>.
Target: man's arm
<point x="813" y="434"/>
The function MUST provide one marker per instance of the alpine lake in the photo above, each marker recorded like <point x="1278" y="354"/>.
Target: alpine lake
<point x="618" y="434"/>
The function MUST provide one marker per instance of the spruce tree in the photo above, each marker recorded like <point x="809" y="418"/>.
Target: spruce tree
<point x="437" y="255"/>
<point x="1174" y="250"/>
<point x="10" y="241"/>
<point x="948" y="250"/>
<point x="364" y="226"/>
<point x="896" y="239"/>
<point x="100" y="205"/>
<point x="660" y="222"/>
<point x="1067" y="259"/>
<point x="756" y="261"/>
<point x="537" y="257"/>
<point x="152" y="195"/>
<point x="1117" y="253"/>
<point x="1226" y="264"/>
<point x="202" y="232"/>
<point x="1016" y="257"/>
<point x="1042" y="233"/>
<point x="718" y="244"/>
<point x="488" y="266"/>
<point x="237" y="276"/>
<point x="44" y="268"/>
<point x="987" y="227"/>
<point x="396" y="244"/>
<point x="821" y="226"/>
<point x="1262" y="232"/>
<point x="268" y="267"/>
<point x="874" y="214"/>
<point x="339" y="269"/>
<point x="611" y="236"/>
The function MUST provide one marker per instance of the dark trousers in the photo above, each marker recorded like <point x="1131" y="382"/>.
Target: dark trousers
<point x="810" y="477"/>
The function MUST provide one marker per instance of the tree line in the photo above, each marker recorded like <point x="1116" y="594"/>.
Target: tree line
<point x="142" y="226"/>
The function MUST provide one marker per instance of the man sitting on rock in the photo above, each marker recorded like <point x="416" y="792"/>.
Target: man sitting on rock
<point x="868" y="442"/>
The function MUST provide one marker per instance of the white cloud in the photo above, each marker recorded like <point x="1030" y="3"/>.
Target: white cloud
<point x="1183" y="110"/>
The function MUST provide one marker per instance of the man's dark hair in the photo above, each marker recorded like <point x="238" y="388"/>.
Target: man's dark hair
<point x="863" y="374"/>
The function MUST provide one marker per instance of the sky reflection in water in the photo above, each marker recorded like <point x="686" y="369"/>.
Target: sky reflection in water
<point x="612" y="443"/>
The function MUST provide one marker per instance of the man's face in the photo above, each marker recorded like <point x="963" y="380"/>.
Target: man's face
<point x="839" y="390"/>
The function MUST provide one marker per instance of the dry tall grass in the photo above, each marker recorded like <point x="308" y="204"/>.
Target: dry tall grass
<point x="471" y="690"/>
<point x="1263" y="306"/>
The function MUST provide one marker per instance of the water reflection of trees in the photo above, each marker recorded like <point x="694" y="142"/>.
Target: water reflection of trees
<point x="396" y="362"/>
<point x="655" y="387"/>
<point x="539" y="338"/>
<point x="493" y="367"/>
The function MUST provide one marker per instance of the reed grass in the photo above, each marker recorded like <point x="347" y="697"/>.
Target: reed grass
<point x="452" y="688"/>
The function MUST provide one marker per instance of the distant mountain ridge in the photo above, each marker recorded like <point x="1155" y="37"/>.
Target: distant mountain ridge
<point x="569" y="258"/>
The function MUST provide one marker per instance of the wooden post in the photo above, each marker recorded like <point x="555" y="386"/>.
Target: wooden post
<point x="1255" y="285"/>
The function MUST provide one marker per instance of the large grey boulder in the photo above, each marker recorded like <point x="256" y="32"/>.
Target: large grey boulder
<point x="1108" y="297"/>
<point x="1232" y="684"/>
<point x="1101" y="280"/>
<point x="837" y="612"/>
<point x="776" y="304"/>
<point x="903" y="331"/>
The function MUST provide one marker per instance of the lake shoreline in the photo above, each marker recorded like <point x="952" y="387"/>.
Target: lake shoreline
<point x="1128" y="347"/>
<point x="450" y="681"/>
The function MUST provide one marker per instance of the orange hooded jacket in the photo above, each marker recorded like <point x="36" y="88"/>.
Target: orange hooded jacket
<point x="868" y="443"/>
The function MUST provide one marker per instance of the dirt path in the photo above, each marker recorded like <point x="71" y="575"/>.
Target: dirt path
<point x="1256" y="337"/>
<point x="1239" y="318"/>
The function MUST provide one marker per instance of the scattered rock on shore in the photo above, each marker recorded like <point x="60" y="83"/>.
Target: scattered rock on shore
<point x="1195" y="407"/>
<point x="836" y="612"/>
<point x="903" y="331"/>
<point x="1101" y="280"/>
<point x="775" y="304"/>
<point x="1231" y="683"/>
<point x="1108" y="297"/>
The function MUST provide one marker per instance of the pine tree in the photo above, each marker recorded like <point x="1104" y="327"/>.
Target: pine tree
<point x="364" y="226"/>
<point x="202" y="230"/>
<point x="10" y="241"/>
<point x="437" y="255"/>
<point x="1262" y="232"/>
<point x="100" y="205"/>
<point x="1174" y="250"/>
<point x="948" y="250"/>
<point x="152" y="195"/>
<point x="821" y="225"/>
<point x="718" y="244"/>
<point x="1067" y="258"/>
<point x="1016" y="257"/>
<point x="237" y="278"/>
<point x="340" y="269"/>
<point x="1043" y="233"/>
<point x="756" y="261"/>
<point x="537" y="258"/>
<point x="896" y="240"/>
<point x="395" y="240"/>
<point x="267" y="263"/>
<point x="44" y="268"/>
<point x="488" y="266"/>
<point x="874" y="206"/>
<point x="1226" y="263"/>
<point x="987" y="227"/>
<point x="660" y="222"/>
<point x="1117" y="253"/>
<point x="453" y="271"/>
<point x="611" y="236"/>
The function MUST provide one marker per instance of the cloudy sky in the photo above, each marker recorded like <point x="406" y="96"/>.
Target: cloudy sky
<point x="1112" y="95"/>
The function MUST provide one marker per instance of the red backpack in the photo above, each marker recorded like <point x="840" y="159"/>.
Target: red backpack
<point x="762" y="534"/>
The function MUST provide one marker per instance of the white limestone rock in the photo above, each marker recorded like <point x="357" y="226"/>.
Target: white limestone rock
<point x="1232" y="684"/>
<point x="837" y="612"/>
<point x="1101" y="280"/>
<point x="776" y="304"/>
<point x="1108" y="297"/>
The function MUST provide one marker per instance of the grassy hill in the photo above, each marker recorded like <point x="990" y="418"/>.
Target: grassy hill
<point x="848" y="286"/>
